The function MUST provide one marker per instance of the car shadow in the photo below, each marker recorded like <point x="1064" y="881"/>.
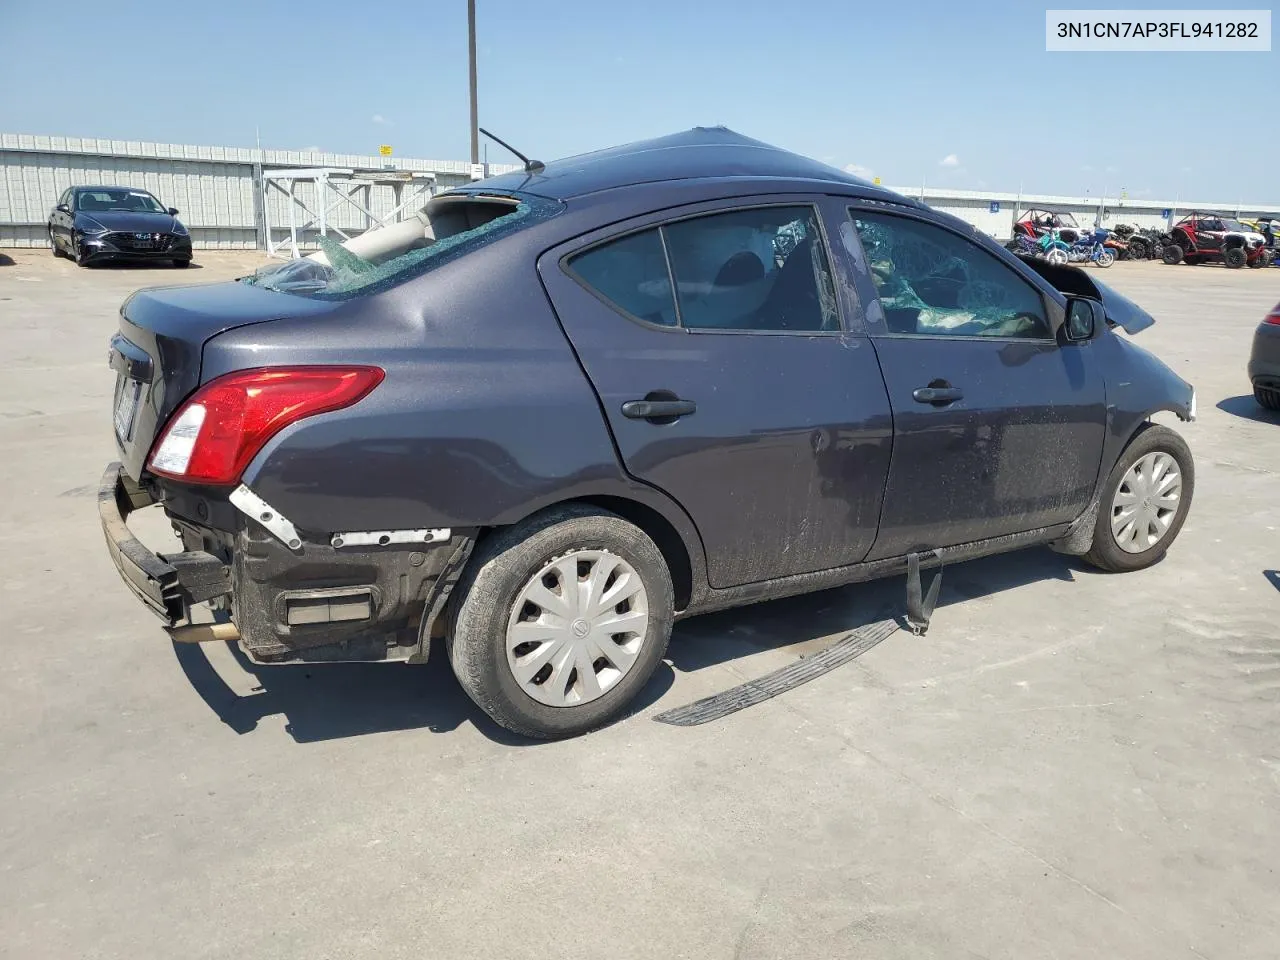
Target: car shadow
<point x="1273" y="577"/>
<point x="6" y="260"/>
<point x="327" y="701"/>
<point x="804" y="621"/>
<point x="141" y="265"/>
<point x="1247" y="408"/>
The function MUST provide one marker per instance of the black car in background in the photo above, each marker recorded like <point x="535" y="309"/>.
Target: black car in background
<point x="97" y="224"/>
<point x="560" y="408"/>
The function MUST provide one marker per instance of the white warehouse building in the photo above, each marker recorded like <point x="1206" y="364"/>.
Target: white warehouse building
<point x="277" y="200"/>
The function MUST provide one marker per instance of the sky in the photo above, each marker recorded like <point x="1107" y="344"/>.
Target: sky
<point x="948" y="94"/>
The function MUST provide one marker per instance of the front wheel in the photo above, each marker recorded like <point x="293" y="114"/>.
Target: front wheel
<point x="1235" y="257"/>
<point x="1106" y="258"/>
<point x="1171" y="254"/>
<point x="1144" y="502"/>
<point x="560" y="621"/>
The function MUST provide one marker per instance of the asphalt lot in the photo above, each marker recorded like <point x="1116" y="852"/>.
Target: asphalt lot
<point x="1069" y="765"/>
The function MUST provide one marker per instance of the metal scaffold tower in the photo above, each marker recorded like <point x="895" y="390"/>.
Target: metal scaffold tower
<point x="337" y="188"/>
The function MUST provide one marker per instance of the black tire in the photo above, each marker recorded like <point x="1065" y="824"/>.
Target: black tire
<point x="79" y="257"/>
<point x="182" y="264"/>
<point x="1261" y="260"/>
<point x="1267" y="398"/>
<point x="53" y="242"/>
<point x="1105" y="553"/>
<point x="1171" y="254"/>
<point x="481" y="608"/>
<point x="1138" y="250"/>
<point x="1234" y="257"/>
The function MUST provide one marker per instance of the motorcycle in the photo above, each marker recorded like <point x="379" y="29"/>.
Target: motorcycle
<point x="1089" y="248"/>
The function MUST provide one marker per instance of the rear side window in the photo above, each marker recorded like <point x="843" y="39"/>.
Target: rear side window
<point x="631" y="274"/>
<point x="761" y="269"/>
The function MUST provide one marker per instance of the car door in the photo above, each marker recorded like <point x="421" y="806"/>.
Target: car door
<point x="1209" y="234"/>
<point x="998" y="429"/>
<point x="58" y="220"/>
<point x="714" y="341"/>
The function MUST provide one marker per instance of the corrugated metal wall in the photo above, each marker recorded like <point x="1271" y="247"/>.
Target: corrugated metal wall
<point x="215" y="190"/>
<point x="213" y="187"/>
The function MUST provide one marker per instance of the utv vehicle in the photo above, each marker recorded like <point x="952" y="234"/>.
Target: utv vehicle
<point x="1206" y="237"/>
<point x="1035" y="223"/>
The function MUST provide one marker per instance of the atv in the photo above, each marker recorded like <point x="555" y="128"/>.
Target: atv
<point x="1205" y="237"/>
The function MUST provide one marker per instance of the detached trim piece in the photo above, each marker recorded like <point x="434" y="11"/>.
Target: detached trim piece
<point x="255" y="508"/>
<point x="380" y="538"/>
<point x="848" y="647"/>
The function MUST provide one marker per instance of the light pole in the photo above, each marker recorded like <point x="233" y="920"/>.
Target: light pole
<point x="471" y="54"/>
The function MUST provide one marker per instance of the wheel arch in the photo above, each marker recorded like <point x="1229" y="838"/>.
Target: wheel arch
<point x="675" y="536"/>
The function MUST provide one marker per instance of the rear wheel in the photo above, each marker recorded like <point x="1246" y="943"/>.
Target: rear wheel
<point x="1235" y="257"/>
<point x="53" y="243"/>
<point x="1267" y="398"/>
<point x="560" y="621"/>
<point x="1171" y="254"/>
<point x="1144" y="502"/>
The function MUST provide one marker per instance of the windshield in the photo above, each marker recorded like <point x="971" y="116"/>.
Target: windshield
<point x="118" y="201"/>
<point x="450" y="226"/>
<point x="1236" y="226"/>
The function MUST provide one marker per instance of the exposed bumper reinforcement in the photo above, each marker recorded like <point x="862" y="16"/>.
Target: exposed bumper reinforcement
<point x="849" y="647"/>
<point x="168" y="585"/>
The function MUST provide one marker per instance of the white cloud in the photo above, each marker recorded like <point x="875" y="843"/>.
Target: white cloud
<point x="1087" y="168"/>
<point x="858" y="170"/>
<point x="950" y="160"/>
<point x="380" y="120"/>
<point x="1112" y="169"/>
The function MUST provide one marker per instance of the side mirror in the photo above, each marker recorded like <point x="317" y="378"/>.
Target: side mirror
<point x="1084" y="319"/>
<point x="173" y="211"/>
<point x="63" y="208"/>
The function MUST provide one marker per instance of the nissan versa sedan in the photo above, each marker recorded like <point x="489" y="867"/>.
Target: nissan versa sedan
<point x="561" y="408"/>
<point x="98" y="224"/>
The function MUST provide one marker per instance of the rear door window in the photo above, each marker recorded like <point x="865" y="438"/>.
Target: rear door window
<point x="760" y="269"/>
<point x="630" y="274"/>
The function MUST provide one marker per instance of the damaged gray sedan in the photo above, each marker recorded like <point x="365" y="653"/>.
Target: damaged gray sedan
<point x="564" y="407"/>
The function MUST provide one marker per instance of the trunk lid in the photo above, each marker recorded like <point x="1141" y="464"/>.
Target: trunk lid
<point x="157" y="353"/>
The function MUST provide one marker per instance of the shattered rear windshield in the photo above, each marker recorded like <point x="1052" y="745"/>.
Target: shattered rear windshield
<point x="447" y="234"/>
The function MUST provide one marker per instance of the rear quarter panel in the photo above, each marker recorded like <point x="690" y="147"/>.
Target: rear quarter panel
<point x="484" y="415"/>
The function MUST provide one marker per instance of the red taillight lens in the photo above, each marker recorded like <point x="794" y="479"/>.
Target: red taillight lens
<point x="213" y="436"/>
<point x="1274" y="315"/>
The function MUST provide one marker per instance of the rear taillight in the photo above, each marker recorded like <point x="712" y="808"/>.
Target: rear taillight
<point x="1274" y="315"/>
<point x="213" y="436"/>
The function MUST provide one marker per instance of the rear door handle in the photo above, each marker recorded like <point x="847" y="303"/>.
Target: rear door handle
<point x="938" y="396"/>
<point x="657" y="409"/>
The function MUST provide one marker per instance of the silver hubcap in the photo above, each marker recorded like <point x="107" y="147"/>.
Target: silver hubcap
<point x="1146" y="502"/>
<point x="576" y="628"/>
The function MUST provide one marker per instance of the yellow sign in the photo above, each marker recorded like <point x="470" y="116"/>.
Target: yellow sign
<point x="385" y="150"/>
<point x="876" y="181"/>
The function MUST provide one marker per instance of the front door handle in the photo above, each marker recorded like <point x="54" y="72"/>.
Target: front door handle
<point x="658" y="409"/>
<point x="938" y="394"/>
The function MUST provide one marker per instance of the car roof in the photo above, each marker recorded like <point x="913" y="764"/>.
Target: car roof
<point x="107" y="186"/>
<point x="699" y="154"/>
